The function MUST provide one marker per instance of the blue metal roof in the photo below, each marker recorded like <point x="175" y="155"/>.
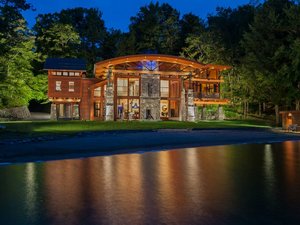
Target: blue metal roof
<point x="64" y="64"/>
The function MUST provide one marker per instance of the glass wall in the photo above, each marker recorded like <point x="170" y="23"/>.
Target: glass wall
<point x="134" y="87"/>
<point x="122" y="86"/>
<point x="164" y="88"/>
<point x="67" y="111"/>
<point x="128" y="103"/>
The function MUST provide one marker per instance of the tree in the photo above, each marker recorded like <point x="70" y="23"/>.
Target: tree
<point x="11" y="20"/>
<point x="18" y="84"/>
<point x="205" y="48"/>
<point x="112" y="44"/>
<point x="267" y="47"/>
<point x="230" y="25"/>
<point x="156" y="28"/>
<point x="190" y="25"/>
<point x="60" y="40"/>
<point x="88" y="23"/>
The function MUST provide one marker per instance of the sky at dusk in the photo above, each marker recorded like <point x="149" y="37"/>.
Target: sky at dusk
<point x="117" y="13"/>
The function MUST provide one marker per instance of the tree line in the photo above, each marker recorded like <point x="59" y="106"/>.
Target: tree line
<point x="261" y="41"/>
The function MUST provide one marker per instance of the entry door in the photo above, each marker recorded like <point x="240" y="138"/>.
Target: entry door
<point x="174" y="108"/>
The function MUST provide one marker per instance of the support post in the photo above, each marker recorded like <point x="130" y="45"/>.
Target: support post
<point x="203" y="113"/>
<point x="191" y="106"/>
<point x="109" y="99"/>
<point x="182" y="115"/>
<point x="53" y="114"/>
<point x="221" y="115"/>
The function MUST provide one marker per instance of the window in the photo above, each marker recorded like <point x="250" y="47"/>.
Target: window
<point x="122" y="87"/>
<point x="58" y="86"/>
<point x="151" y="65"/>
<point x="53" y="73"/>
<point x="71" y="74"/>
<point x="97" y="108"/>
<point x="134" y="106"/>
<point x="77" y="74"/>
<point x="65" y="73"/>
<point x="134" y="87"/>
<point x="164" y="88"/>
<point x="122" y="108"/>
<point x="76" y="111"/>
<point x="97" y="92"/>
<point x="58" y="73"/>
<point x="71" y="86"/>
<point x="164" y="108"/>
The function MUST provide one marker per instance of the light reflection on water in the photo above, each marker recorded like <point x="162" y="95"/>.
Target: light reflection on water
<point x="245" y="184"/>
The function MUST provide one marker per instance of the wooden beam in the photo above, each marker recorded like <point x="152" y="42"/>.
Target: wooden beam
<point x="211" y="102"/>
<point x="100" y="66"/>
<point x="208" y="80"/>
<point x="137" y="72"/>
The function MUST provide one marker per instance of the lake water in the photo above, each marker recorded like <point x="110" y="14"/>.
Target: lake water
<point x="243" y="184"/>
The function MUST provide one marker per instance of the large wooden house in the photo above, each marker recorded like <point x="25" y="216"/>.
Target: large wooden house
<point x="148" y="86"/>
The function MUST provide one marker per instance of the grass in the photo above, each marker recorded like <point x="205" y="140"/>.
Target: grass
<point x="22" y="129"/>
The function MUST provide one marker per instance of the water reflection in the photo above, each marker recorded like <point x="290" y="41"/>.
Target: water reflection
<point x="31" y="191"/>
<point x="247" y="184"/>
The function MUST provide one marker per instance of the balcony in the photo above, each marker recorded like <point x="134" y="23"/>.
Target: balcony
<point x="207" y="95"/>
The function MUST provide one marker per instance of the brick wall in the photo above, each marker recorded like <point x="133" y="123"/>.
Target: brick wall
<point x="64" y="93"/>
<point x="86" y="104"/>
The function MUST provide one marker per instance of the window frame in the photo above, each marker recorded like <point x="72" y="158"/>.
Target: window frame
<point x="71" y="83"/>
<point x="58" y="85"/>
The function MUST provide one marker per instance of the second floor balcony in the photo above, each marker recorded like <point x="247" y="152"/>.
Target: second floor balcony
<point x="206" y="95"/>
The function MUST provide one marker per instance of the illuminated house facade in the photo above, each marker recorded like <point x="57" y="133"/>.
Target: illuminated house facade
<point x="134" y="87"/>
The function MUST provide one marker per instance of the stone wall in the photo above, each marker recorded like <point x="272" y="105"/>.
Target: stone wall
<point x="53" y="114"/>
<point x="15" y="113"/>
<point x="191" y="107"/>
<point x="150" y="96"/>
<point x="109" y="102"/>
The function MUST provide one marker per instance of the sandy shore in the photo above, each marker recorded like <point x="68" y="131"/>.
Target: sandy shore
<point x="106" y="143"/>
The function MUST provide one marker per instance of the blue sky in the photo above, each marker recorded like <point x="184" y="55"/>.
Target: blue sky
<point x="117" y="13"/>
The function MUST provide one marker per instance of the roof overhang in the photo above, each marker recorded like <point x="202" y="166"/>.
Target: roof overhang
<point x="166" y="63"/>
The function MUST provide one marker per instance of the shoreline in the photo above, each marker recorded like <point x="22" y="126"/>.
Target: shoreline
<point x="91" y="144"/>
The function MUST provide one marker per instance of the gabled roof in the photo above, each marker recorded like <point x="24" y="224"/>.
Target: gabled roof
<point x="65" y="64"/>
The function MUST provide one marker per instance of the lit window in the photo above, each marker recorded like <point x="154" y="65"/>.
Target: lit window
<point x="53" y="73"/>
<point x="164" y="88"/>
<point x="71" y="86"/>
<point x="134" y="87"/>
<point x="58" y="85"/>
<point x="58" y="73"/>
<point x="65" y="73"/>
<point x="97" y="92"/>
<point x="122" y="88"/>
<point x="151" y="65"/>
<point x="77" y="74"/>
<point x="71" y="73"/>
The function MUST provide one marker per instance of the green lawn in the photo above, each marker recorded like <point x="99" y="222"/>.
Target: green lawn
<point x="37" y="128"/>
